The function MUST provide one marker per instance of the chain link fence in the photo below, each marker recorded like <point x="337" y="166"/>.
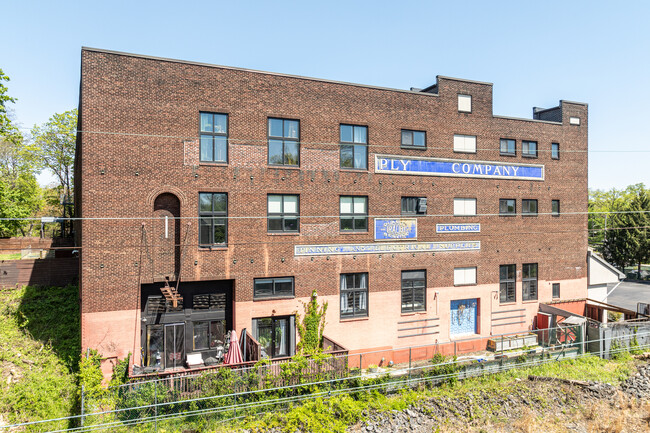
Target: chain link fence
<point x="204" y="401"/>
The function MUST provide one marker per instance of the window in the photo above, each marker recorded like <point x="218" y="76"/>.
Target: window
<point x="414" y="206"/>
<point x="283" y="213"/>
<point x="464" y="206"/>
<point x="284" y="136"/>
<point x="555" y="150"/>
<point x="507" y="207"/>
<point x="556" y="290"/>
<point x="354" y="295"/>
<point x="529" y="207"/>
<point x="213" y="213"/>
<point x="507" y="291"/>
<point x="414" y="291"/>
<point x="465" y="103"/>
<point x="354" y="214"/>
<point x="273" y="287"/>
<point x="354" y="147"/>
<point x="508" y="147"/>
<point x="555" y="207"/>
<point x="208" y="334"/>
<point x="529" y="149"/>
<point x="464" y="276"/>
<point x="465" y="143"/>
<point x="275" y="335"/>
<point x="214" y="137"/>
<point x="414" y="138"/>
<point x="529" y="281"/>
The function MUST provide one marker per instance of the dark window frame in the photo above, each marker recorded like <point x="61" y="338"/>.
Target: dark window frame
<point x="284" y="139"/>
<point x="507" y="213"/>
<point x="508" y="285"/>
<point x="213" y="215"/>
<point x="209" y="323"/>
<point x="352" y="144"/>
<point x="555" y="150"/>
<point x="556" y="291"/>
<point x="288" y="339"/>
<point x="282" y="215"/>
<point x="354" y="216"/>
<point x="406" y="212"/>
<point x="555" y="213"/>
<point x="525" y="207"/>
<point x="274" y="294"/>
<point x="411" y="132"/>
<point x="527" y="286"/>
<point x="414" y="290"/>
<point x="214" y="135"/>
<point x="354" y="290"/>
<point x="528" y="153"/>
<point x="501" y="152"/>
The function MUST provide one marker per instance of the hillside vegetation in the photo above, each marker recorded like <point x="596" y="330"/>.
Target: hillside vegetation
<point x="39" y="353"/>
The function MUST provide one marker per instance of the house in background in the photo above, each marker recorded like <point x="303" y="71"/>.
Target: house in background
<point x="602" y="279"/>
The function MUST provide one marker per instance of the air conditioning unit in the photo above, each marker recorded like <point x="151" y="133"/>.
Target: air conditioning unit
<point x="422" y="205"/>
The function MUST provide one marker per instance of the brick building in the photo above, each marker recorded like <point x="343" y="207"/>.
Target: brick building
<point x="418" y="215"/>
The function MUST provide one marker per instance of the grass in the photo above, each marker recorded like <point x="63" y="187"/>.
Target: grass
<point x="39" y="358"/>
<point x="338" y="413"/>
<point x="39" y="353"/>
<point x="10" y="256"/>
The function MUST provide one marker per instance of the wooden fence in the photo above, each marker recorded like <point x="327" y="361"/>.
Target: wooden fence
<point x="38" y="272"/>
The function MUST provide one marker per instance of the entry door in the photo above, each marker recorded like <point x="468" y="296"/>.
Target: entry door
<point x="174" y="345"/>
<point x="463" y="315"/>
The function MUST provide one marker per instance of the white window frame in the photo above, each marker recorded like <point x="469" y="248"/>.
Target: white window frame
<point x="464" y="143"/>
<point x="464" y="103"/>
<point x="465" y="276"/>
<point x="464" y="207"/>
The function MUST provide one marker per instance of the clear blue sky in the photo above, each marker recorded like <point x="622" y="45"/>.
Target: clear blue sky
<point x="535" y="53"/>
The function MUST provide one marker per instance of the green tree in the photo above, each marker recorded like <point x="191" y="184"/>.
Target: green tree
<point x="5" y="123"/>
<point x="20" y="195"/>
<point x="620" y="231"/>
<point x="639" y="220"/>
<point x="19" y="198"/>
<point x="56" y="140"/>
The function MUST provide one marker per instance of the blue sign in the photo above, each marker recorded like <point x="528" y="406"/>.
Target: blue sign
<point x="391" y="229"/>
<point x="381" y="248"/>
<point x="458" y="228"/>
<point x="457" y="168"/>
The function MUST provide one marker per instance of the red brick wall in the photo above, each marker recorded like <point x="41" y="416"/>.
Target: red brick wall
<point x="148" y="113"/>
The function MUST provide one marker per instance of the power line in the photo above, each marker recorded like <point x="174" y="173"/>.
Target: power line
<point x="435" y="238"/>
<point x="302" y="217"/>
<point x="263" y="142"/>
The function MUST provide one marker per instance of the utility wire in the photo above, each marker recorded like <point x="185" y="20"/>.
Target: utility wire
<point x="276" y="242"/>
<point x="263" y="142"/>
<point x="230" y="217"/>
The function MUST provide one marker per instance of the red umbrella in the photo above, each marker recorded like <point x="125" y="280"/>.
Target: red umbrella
<point x="233" y="356"/>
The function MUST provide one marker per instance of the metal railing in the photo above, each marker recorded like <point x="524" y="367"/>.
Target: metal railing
<point x="153" y="404"/>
